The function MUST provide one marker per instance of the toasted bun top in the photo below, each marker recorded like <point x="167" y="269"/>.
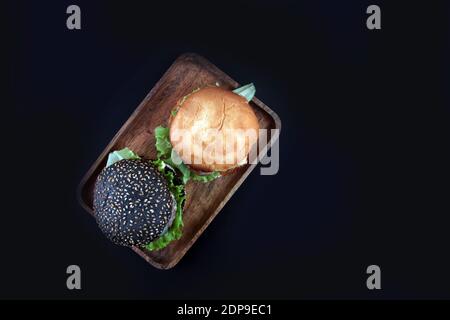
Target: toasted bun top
<point x="213" y="129"/>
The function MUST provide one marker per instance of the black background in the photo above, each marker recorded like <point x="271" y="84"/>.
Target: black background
<point x="364" y="175"/>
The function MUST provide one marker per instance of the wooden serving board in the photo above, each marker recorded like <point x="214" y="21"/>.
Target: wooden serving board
<point x="204" y="201"/>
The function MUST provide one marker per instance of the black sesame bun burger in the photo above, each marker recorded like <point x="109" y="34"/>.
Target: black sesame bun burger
<point x="132" y="202"/>
<point x="138" y="202"/>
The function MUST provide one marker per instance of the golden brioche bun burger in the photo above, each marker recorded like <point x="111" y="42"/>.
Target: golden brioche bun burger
<point x="213" y="130"/>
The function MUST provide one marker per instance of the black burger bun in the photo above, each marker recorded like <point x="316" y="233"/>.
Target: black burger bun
<point x="132" y="203"/>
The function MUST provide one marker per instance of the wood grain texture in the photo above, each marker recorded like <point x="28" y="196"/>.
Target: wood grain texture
<point x="204" y="201"/>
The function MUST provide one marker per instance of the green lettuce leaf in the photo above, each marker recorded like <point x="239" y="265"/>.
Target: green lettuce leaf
<point x="163" y="145"/>
<point x="118" y="155"/>
<point x="205" y="178"/>
<point x="248" y="91"/>
<point x="170" y="157"/>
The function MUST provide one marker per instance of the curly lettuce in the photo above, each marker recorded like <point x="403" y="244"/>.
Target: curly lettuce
<point x="169" y="156"/>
